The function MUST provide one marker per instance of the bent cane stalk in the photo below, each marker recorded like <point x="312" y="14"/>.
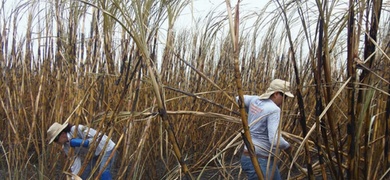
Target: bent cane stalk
<point x="351" y="73"/>
<point x="246" y="134"/>
<point x="298" y="92"/>
<point x="163" y="114"/>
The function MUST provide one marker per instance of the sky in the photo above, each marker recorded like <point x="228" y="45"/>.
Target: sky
<point x="196" y="9"/>
<point x="200" y="8"/>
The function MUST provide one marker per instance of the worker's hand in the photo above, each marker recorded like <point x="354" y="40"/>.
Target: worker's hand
<point x="290" y="156"/>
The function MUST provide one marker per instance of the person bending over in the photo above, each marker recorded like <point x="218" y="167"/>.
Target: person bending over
<point x="81" y="138"/>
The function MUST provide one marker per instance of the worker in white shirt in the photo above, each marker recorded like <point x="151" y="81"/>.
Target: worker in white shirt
<point x="81" y="138"/>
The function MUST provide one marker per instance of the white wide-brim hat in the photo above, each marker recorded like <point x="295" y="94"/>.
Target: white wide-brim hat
<point x="55" y="130"/>
<point x="277" y="85"/>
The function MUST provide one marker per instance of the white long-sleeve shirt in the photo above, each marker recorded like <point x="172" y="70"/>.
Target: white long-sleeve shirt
<point x="263" y="120"/>
<point x="83" y="132"/>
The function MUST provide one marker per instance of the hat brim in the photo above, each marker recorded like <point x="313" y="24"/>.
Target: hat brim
<point x="268" y="94"/>
<point x="57" y="132"/>
<point x="289" y="94"/>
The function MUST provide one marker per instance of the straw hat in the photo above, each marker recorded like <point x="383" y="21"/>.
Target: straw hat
<point x="55" y="130"/>
<point x="277" y="85"/>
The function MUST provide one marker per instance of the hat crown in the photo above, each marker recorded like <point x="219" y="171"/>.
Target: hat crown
<point x="54" y="130"/>
<point x="279" y="85"/>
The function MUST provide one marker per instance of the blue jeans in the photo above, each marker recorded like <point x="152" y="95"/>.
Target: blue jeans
<point x="247" y="167"/>
<point x="106" y="175"/>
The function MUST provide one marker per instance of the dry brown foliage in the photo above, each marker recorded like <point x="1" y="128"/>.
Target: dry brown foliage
<point x="167" y="96"/>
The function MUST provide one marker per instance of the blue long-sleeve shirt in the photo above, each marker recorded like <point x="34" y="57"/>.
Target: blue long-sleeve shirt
<point x="263" y="120"/>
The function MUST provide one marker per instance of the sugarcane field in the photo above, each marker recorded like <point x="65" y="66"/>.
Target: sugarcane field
<point x="195" y="89"/>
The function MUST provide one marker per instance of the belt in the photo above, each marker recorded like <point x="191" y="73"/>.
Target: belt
<point x="246" y="153"/>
